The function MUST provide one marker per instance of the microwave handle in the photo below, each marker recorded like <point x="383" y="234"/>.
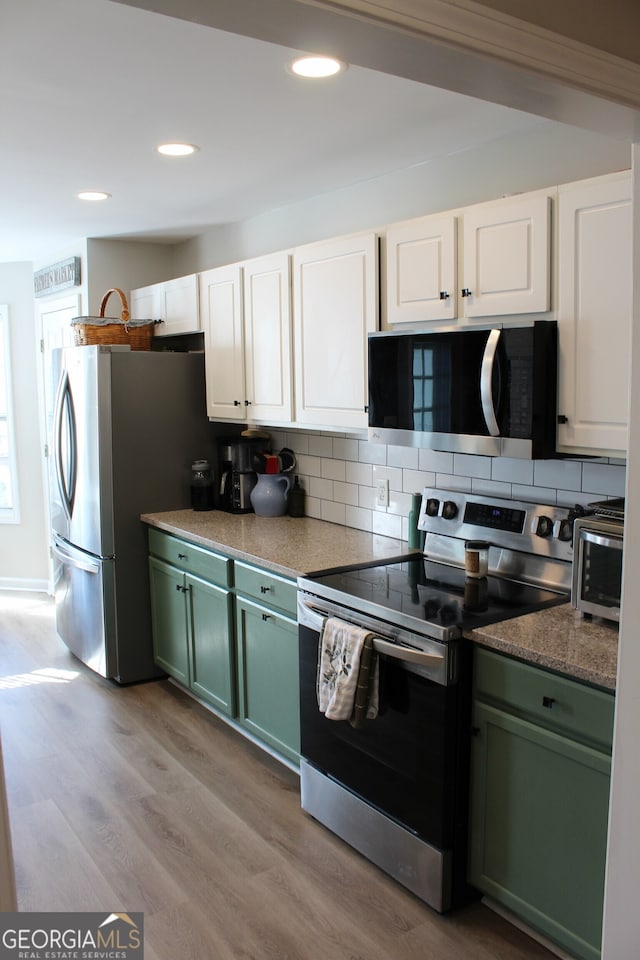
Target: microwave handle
<point x="486" y="376"/>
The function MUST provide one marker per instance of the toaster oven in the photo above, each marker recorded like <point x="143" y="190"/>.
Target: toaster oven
<point x="597" y="566"/>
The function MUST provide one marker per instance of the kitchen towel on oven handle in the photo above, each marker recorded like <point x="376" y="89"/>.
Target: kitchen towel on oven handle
<point x="347" y="679"/>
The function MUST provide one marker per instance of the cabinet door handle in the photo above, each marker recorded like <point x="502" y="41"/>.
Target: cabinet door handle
<point x="181" y="589"/>
<point x="247" y="403"/>
<point x="548" y="702"/>
<point x="237" y="403"/>
<point x="444" y="295"/>
<point x="266" y="616"/>
<point x="466" y="292"/>
<point x="182" y="556"/>
<point x="265" y="589"/>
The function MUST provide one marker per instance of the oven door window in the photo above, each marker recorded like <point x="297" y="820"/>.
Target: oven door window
<point x="406" y="761"/>
<point x="601" y="571"/>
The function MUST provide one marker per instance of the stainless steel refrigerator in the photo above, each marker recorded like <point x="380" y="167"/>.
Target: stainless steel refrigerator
<point x="126" y="428"/>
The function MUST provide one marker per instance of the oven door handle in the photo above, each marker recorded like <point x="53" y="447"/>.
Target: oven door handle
<point x="399" y="652"/>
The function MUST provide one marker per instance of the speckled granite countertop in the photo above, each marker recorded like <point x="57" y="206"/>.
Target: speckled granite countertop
<point x="287" y="545"/>
<point x="557" y="638"/>
<point x="560" y="639"/>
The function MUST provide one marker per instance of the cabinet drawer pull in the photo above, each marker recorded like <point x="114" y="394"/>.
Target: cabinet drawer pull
<point x="265" y="589"/>
<point x="548" y="702"/>
<point x="182" y="556"/>
<point x="266" y="616"/>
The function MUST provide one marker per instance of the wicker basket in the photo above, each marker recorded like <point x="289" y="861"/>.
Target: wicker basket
<point x="138" y="334"/>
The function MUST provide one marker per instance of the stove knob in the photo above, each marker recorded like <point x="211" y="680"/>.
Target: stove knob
<point x="433" y="506"/>
<point x="449" y="510"/>
<point x="544" y="527"/>
<point x="566" y="530"/>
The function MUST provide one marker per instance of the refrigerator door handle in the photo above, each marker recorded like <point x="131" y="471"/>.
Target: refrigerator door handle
<point x="75" y="559"/>
<point x="64" y="412"/>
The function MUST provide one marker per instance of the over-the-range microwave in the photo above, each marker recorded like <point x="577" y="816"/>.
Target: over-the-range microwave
<point x="489" y="391"/>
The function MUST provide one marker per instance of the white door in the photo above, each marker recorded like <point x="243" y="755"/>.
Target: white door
<point x="221" y="312"/>
<point x="421" y="274"/>
<point x="335" y="288"/>
<point x="594" y="314"/>
<point x="506" y="257"/>
<point x="267" y="338"/>
<point x="53" y="319"/>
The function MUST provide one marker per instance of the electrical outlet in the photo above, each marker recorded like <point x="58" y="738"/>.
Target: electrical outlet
<point x="382" y="493"/>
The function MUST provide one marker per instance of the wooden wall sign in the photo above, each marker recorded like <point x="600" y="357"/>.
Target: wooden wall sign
<point x="59" y="276"/>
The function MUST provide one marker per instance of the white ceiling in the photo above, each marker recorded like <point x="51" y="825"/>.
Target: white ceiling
<point x="88" y="88"/>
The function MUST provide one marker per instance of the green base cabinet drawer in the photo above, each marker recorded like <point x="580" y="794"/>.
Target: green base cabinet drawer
<point x="556" y="702"/>
<point x="266" y="587"/>
<point x="267" y="655"/>
<point x="189" y="557"/>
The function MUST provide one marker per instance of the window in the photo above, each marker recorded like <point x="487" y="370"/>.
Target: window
<point x="8" y="473"/>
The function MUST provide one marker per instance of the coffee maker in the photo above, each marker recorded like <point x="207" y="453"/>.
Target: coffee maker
<point x="237" y="470"/>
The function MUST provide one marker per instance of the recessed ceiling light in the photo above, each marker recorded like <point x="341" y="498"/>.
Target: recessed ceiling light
<point x="177" y="149"/>
<point x="93" y="195"/>
<point x="317" y="67"/>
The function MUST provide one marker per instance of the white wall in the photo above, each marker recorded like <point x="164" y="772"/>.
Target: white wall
<point x="551" y="154"/>
<point x="23" y="546"/>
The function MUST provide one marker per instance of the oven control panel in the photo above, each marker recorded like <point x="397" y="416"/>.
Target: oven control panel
<point x="532" y="528"/>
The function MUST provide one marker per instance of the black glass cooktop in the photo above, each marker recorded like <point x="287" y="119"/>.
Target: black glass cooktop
<point x="415" y="589"/>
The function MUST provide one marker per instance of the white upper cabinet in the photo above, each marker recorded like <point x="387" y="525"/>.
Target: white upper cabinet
<point x="267" y="338"/>
<point x="246" y="311"/>
<point x="506" y="261"/>
<point x="421" y="270"/>
<point x="335" y="287"/>
<point x="491" y="259"/>
<point x="221" y="312"/>
<point x="594" y="314"/>
<point x="173" y="302"/>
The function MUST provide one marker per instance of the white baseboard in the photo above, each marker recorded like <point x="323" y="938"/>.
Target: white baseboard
<point x="35" y="586"/>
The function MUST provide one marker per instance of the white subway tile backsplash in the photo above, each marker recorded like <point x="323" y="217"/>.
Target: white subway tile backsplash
<point x="508" y="470"/>
<point x="339" y="473"/>
<point x="491" y="488"/>
<point x="366" y="497"/>
<point x="345" y="493"/>
<point x="608" y="480"/>
<point x="387" y="525"/>
<point x="345" y="448"/>
<point x="465" y="465"/>
<point x="334" y="512"/>
<point x="358" y="518"/>
<point x="435" y="461"/>
<point x="372" y="452"/>
<point x="309" y="466"/>
<point x="320" y="446"/>
<point x="403" y="457"/>
<point x="359" y="473"/>
<point x="414" y="481"/>
<point x="333" y="469"/>
<point x="565" y="474"/>
<point x="392" y="474"/>
<point x="321" y="488"/>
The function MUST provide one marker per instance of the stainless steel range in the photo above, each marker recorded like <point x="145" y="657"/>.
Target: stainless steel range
<point x="396" y="787"/>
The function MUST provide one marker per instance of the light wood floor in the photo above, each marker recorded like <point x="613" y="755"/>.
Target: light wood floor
<point x="138" y="799"/>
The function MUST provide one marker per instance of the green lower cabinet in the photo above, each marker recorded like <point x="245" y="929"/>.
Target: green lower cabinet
<point x="192" y="623"/>
<point x="538" y="828"/>
<point x="169" y="619"/>
<point x="268" y="683"/>
<point x="212" y="668"/>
